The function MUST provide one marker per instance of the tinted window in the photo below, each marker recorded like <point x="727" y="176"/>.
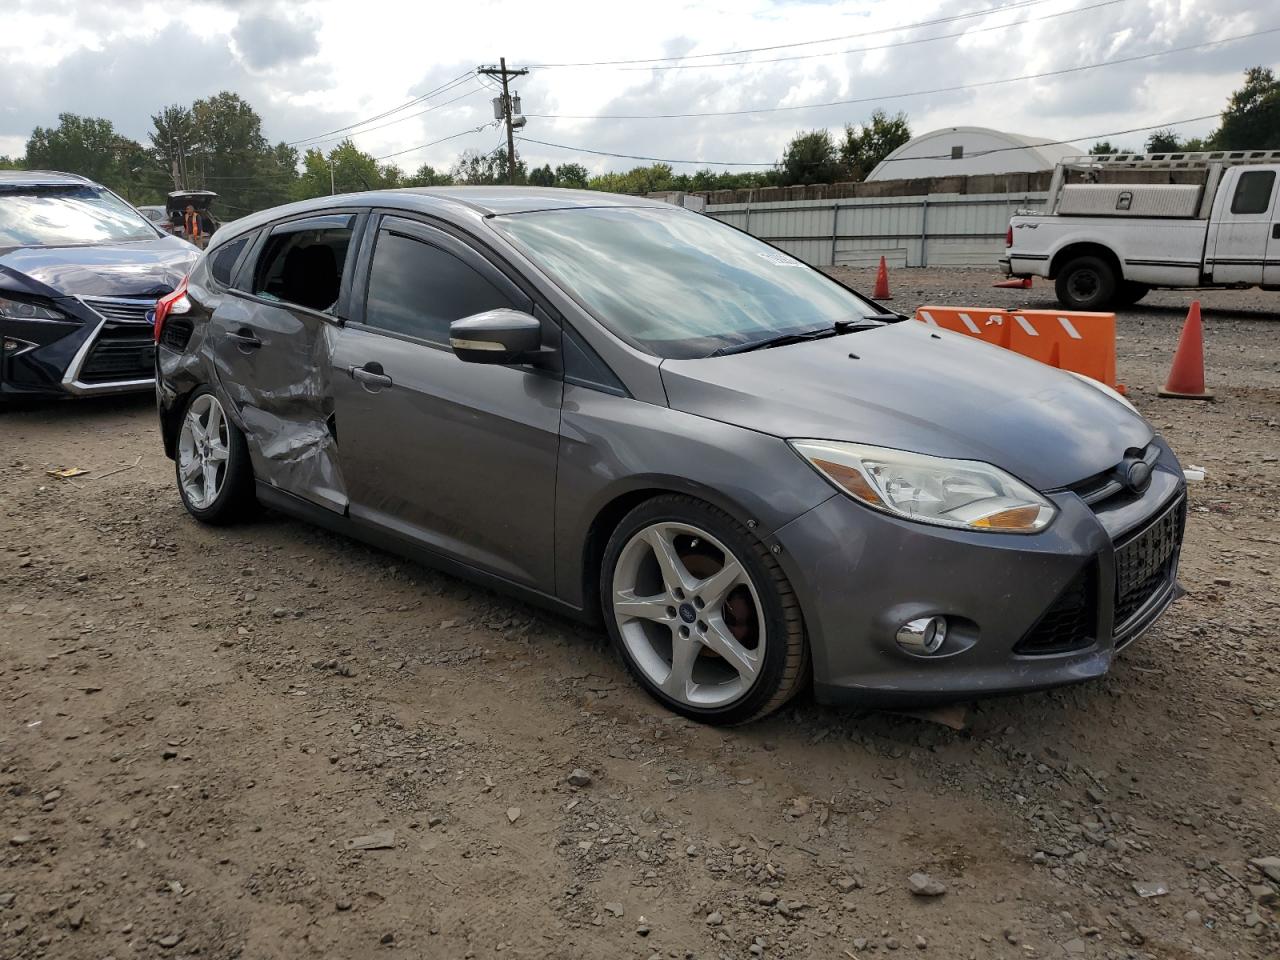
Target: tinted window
<point x="676" y="283"/>
<point x="63" y="216"/>
<point x="224" y="259"/>
<point x="303" y="267"/>
<point x="418" y="289"/>
<point x="1253" y="192"/>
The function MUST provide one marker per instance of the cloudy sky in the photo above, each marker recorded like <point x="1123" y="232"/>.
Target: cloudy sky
<point x="311" y="68"/>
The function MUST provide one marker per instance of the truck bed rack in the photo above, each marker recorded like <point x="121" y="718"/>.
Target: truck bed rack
<point x="1211" y="162"/>
<point x="1203" y="160"/>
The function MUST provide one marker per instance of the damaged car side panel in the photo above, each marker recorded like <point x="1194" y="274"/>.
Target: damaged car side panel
<point x="268" y="358"/>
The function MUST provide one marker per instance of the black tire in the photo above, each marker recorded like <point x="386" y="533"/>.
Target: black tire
<point x="785" y="666"/>
<point x="235" y="500"/>
<point x="1086" y="283"/>
<point x="1130" y="292"/>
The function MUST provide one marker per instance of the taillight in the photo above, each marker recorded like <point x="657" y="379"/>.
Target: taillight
<point x="1008" y="236"/>
<point x="176" y="302"/>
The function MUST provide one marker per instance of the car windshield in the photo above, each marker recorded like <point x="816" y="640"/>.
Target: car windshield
<point x="679" y="284"/>
<point x="55" y="216"/>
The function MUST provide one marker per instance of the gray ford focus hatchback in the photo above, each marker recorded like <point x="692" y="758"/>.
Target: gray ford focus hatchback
<point x="753" y="476"/>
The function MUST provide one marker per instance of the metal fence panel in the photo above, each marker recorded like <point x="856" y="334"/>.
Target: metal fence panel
<point x="938" y="229"/>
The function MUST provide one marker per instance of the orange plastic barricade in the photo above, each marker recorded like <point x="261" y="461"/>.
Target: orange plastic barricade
<point x="988" y="324"/>
<point x="1081" y="342"/>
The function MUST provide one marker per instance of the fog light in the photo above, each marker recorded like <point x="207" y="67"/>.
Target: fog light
<point x="15" y="346"/>
<point x="924" y="635"/>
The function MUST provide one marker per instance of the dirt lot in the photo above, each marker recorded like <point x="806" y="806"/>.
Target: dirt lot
<point x="196" y="723"/>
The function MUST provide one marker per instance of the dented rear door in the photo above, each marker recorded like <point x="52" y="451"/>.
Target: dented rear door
<point x="271" y="355"/>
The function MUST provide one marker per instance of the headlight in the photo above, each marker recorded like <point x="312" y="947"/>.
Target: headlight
<point x="1113" y="394"/>
<point x="22" y="310"/>
<point x="967" y="494"/>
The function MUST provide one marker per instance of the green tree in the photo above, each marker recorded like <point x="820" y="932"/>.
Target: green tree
<point x="810" y="158"/>
<point x="88" y="146"/>
<point x="173" y="137"/>
<point x="231" y="156"/>
<point x="12" y="163"/>
<point x="427" y="176"/>
<point x="867" y="144"/>
<point x="474" y="168"/>
<point x="572" y="175"/>
<point x="1103" y="147"/>
<point x="542" y="176"/>
<point x="345" y="169"/>
<point x="1252" y="118"/>
<point x="1164" y="141"/>
<point x="637" y="180"/>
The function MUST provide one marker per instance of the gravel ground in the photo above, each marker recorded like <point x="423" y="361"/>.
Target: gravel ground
<point x="269" y="741"/>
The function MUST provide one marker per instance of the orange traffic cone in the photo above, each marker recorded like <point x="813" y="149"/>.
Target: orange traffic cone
<point x="1186" y="376"/>
<point x="882" y="283"/>
<point x="1016" y="283"/>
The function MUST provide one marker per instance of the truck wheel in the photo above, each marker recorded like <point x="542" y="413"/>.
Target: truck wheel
<point x="1130" y="292"/>
<point x="1086" y="283"/>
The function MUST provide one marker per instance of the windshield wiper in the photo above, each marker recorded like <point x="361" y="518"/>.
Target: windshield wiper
<point x="783" y="339"/>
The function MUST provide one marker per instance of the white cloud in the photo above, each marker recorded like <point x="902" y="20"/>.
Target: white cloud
<point x="346" y="61"/>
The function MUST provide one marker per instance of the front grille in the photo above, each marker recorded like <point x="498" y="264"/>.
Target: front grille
<point x="1145" y="562"/>
<point x="1069" y="623"/>
<point x="121" y="309"/>
<point x="1108" y="488"/>
<point x="120" y="353"/>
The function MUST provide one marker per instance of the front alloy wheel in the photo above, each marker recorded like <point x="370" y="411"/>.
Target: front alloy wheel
<point x="700" y="610"/>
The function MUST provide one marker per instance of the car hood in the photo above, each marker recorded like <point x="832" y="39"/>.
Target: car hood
<point x="911" y="387"/>
<point x="140" y="269"/>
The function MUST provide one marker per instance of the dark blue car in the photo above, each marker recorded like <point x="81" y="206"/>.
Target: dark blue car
<point x="80" y="273"/>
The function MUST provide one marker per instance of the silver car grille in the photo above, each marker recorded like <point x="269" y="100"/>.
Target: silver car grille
<point x="120" y="309"/>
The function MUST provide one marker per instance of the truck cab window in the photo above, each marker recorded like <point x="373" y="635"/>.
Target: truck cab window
<point x="1253" y="192"/>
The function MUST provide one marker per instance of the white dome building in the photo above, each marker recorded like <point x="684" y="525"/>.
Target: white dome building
<point x="971" y="150"/>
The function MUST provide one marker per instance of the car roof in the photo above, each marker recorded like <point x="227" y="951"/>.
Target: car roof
<point x="41" y="178"/>
<point x="494" y="201"/>
<point x="482" y="201"/>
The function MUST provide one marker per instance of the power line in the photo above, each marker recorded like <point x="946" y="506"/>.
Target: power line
<point x="386" y="113"/>
<point x="630" y="156"/>
<point x="913" y="93"/>
<point x="391" y="123"/>
<point x="941" y="156"/>
<point x="1018" y="5"/>
<point x="452" y="136"/>
<point x="883" y="46"/>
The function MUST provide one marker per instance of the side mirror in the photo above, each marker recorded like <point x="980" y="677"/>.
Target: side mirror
<point x="496" y="336"/>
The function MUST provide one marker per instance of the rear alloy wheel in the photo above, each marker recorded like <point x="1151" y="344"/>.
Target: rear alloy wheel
<point x="701" y="612"/>
<point x="1086" y="283"/>
<point x="212" y="463"/>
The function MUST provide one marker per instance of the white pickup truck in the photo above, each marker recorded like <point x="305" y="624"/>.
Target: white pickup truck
<point x="1107" y="243"/>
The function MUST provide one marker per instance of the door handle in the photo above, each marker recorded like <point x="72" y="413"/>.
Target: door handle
<point x="371" y="376"/>
<point x="245" y="339"/>
<point x="1275" y="231"/>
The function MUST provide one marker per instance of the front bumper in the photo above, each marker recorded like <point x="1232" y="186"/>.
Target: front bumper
<point x="1025" y="612"/>
<point x="104" y="346"/>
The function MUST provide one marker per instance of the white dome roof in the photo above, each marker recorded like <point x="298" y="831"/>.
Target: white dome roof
<point x="971" y="150"/>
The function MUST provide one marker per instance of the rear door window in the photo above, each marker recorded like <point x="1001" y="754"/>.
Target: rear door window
<point x="303" y="261"/>
<point x="223" y="261"/>
<point x="421" y="281"/>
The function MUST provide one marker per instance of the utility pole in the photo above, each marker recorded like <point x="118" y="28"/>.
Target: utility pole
<point x="332" y="188"/>
<point x="503" y="73"/>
